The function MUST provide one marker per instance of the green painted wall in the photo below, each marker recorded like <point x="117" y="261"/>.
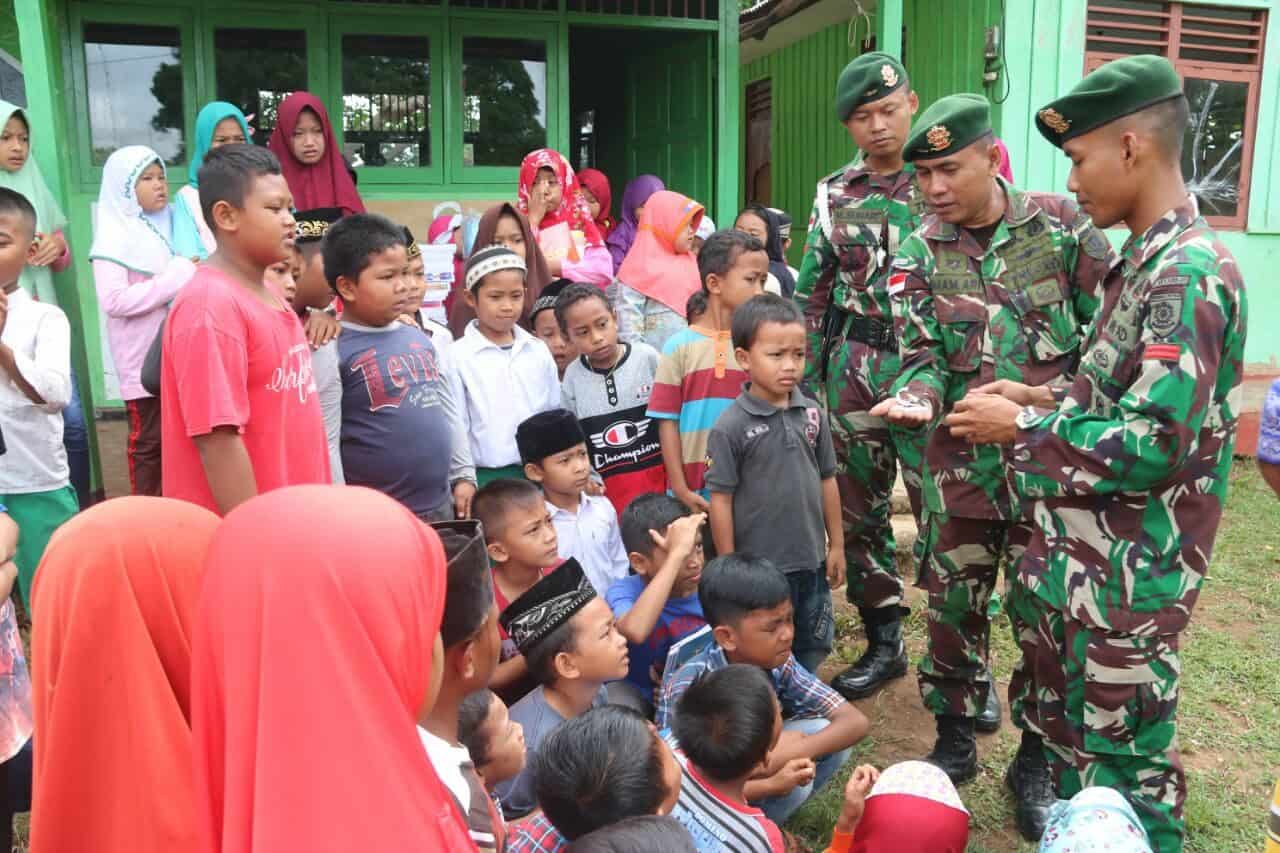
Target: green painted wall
<point x="1044" y="57"/>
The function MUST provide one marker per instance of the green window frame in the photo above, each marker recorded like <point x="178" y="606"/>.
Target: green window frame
<point x="396" y="24"/>
<point x="86" y="171"/>
<point x="557" y="103"/>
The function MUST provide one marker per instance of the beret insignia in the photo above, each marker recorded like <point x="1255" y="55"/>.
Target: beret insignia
<point x="1054" y="120"/>
<point x="889" y="75"/>
<point x="939" y="138"/>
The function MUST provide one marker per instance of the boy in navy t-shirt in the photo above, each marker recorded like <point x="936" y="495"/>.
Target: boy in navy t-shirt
<point x="658" y="605"/>
<point x="401" y="430"/>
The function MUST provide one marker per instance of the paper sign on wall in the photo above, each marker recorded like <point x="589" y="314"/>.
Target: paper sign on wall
<point x="437" y="263"/>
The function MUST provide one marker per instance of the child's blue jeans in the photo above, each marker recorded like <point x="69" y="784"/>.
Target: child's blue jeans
<point x="778" y="809"/>
<point x="814" y="621"/>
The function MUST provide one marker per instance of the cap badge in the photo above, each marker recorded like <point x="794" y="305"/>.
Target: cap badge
<point x="1054" y="120"/>
<point x="890" y="76"/>
<point x="939" y="138"/>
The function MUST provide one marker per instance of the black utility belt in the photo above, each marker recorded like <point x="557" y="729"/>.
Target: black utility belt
<point x="872" y="331"/>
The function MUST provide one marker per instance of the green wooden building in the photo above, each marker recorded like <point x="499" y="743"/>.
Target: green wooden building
<point x="434" y="101"/>
<point x="1021" y="54"/>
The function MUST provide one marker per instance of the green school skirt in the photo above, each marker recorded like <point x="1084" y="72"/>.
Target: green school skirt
<point x="37" y="514"/>
<point x="485" y="476"/>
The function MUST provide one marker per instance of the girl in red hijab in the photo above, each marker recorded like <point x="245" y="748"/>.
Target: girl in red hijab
<point x="317" y="649"/>
<point x="113" y="605"/>
<point x="660" y="272"/>
<point x="309" y="156"/>
<point x="599" y="197"/>
<point x="550" y="195"/>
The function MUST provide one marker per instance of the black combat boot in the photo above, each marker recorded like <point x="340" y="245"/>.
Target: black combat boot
<point x="988" y="719"/>
<point x="1031" y="782"/>
<point x="956" y="751"/>
<point x="885" y="658"/>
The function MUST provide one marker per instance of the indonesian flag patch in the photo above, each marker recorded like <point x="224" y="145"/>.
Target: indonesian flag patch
<point x="897" y="283"/>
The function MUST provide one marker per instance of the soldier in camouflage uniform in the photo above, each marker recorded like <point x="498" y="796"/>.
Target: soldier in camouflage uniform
<point x="1128" y="472"/>
<point x="996" y="284"/>
<point x="860" y="215"/>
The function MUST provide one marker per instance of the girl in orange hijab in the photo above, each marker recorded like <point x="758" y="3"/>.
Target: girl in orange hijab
<point x="659" y="273"/>
<point x="316" y="651"/>
<point x="113" y="606"/>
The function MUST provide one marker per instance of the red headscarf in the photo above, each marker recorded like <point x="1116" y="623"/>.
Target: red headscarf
<point x="595" y="181"/>
<point x="653" y="266"/>
<point x="312" y="658"/>
<point x="113" y="607"/>
<point x="573" y="207"/>
<point x="325" y="183"/>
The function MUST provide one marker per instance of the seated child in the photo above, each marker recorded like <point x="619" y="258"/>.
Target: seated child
<point x="504" y="373"/>
<point x="772" y="448"/>
<point x="494" y="741"/>
<point x="608" y="388"/>
<point x="239" y="409"/>
<point x="35" y="386"/>
<point x="567" y="635"/>
<point x="418" y="313"/>
<point x="747" y="603"/>
<point x="596" y="769"/>
<point x="554" y="452"/>
<point x="545" y="326"/>
<point x="469" y="635"/>
<point x="912" y="807"/>
<point x="311" y="295"/>
<point x="522" y="548"/>
<point x="697" y="377"/>
<point x="402" y="432"/>
<point x="641" y="834"/>
<point x="658" y="605"/>
<point x="725" y="725"/>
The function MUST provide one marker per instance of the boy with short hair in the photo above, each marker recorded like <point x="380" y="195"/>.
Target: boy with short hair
<point x="568" y="637"/>
<point x="469" y="634"/>
<point x="504" y="374"/>
<point x="311" y="294"/>
<point x="773" y="448"/>
<point x="608" y="386"/>
<point x="35" y="386"/>
<point x="697" y="378"/>
<point x="239" y="410"/>
<point x="726" y="723"/>
<point x="494" y="741"/>
<point x="747" y="603"/>
<point x="402" y="432"/>
<point x="521" y="542"/>
<point x="554" y="452"/>
<point x="658" y="605"/>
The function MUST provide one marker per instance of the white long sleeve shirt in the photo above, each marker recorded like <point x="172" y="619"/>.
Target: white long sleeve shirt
<point x="40" y="337"/>
<point x="499" y="387"/>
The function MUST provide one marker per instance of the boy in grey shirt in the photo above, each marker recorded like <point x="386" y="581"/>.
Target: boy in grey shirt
<point x="771" y="472"/>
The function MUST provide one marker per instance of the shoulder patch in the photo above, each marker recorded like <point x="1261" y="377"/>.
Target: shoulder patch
<point x="1165" y="311"/>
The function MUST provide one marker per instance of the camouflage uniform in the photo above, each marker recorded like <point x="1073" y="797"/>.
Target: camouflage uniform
<point x="1128" y="477"/>
<point x="968" y="316"/>
<point x="859" y="219"/>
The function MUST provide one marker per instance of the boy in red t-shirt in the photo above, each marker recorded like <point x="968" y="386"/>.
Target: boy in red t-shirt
<point x="239" y="412"/>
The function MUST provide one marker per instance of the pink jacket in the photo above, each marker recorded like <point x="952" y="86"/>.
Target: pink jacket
<point x="135" y="306"/>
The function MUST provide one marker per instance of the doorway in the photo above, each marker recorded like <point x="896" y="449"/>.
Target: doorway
<point x="758" y="172"/>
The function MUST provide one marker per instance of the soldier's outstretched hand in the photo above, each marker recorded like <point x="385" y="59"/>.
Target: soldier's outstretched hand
<point x="984" y="419"/>
<point x="1017" y="392"/>
<point x="911" y="412"/>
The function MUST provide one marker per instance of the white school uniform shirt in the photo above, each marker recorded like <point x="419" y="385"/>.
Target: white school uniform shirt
<point x="40" y="337"/>
<point x="447" y="759"/>
<point x="501" y="387"/>
<point x="592" y="537"/>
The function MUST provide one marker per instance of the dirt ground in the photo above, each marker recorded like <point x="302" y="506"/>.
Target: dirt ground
<point x="113" y="439"/>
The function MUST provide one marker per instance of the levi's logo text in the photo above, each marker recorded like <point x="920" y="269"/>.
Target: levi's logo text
<point x="399" y="376"/>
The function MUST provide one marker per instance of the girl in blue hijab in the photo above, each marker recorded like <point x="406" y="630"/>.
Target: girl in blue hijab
<point x="219" y="123"/>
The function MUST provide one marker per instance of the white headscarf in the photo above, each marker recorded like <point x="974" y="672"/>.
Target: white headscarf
<point x="123" y="232"/>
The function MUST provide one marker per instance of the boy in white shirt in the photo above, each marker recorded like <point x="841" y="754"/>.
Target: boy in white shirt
<point x="554" y="451"/>
<point x="35" y="386"/>
<point x="502" y="372"/>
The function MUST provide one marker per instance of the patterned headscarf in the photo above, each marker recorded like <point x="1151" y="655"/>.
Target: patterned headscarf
<point x="573" y="207"/>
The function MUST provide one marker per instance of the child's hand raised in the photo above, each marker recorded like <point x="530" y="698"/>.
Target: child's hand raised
<point x="855" y="797"/>
<point x="682" y="535"/>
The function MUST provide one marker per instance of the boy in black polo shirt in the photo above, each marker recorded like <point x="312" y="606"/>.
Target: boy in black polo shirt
<point x="770" y="456"/>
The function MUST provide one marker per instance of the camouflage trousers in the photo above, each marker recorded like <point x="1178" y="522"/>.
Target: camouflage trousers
<point x="868" y="455"/>
<point x="1106" y="705"/>
<point x="961" y="571"/>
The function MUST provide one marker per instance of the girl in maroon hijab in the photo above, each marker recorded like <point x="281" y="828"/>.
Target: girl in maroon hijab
<point x="309" y="156"/>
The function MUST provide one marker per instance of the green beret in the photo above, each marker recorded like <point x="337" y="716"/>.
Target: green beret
<point x="950" y="124"/>
<point x="1112" y="91"/>
<point x="868" y="78"/>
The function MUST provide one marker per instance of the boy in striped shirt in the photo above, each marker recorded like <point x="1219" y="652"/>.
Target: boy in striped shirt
<point x="698" y="376"/>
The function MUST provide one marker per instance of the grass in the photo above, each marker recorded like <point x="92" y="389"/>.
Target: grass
<point x="1229" y="710"/>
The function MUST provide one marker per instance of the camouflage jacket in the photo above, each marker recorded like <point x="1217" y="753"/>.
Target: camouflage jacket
<point x="966" y="317"/>
<point x="1130" y="473"/>
<point x="859" y="219"/>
